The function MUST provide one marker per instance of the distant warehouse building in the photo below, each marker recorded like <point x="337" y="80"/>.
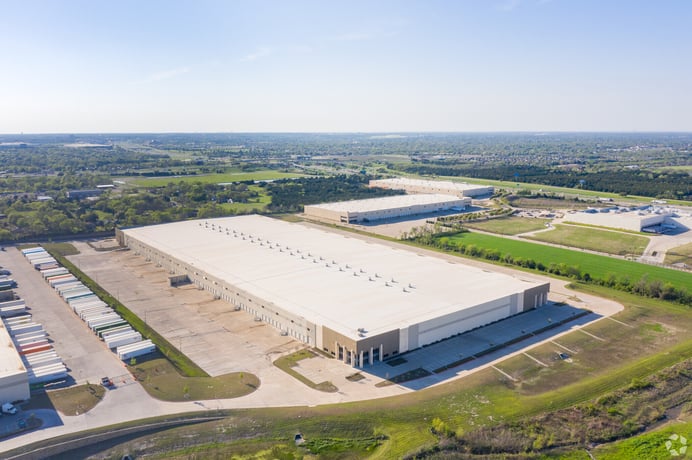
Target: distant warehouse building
<point x="360" y="301"/>
<point x="385" y="208"/>
<point x="433" y="186"/>
<point x="635" y="219"/>
<point x="81" y="194"/>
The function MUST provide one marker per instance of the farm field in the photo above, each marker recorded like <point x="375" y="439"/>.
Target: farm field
<point x="596" y="265"/>
<point x="260" y="203"/>
<point x="508" y="225"/>
<point x="268" y="174"/>
<point x="595" y="240"/>
<point x="680" y="254"/>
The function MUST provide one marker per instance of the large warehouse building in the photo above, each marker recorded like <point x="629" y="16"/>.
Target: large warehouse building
<point x="386" y="208"/>
<point x="433" y="186"/>
<point x="358" y="300"/>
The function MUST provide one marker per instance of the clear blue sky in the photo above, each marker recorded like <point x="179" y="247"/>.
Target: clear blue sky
<point x="289" y="65"/>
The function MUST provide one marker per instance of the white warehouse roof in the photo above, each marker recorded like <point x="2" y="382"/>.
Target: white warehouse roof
<point x="388" y="202"/>
<point x="333" y="280"/>
<point x="432" y="186"/>
<point x="10" y="362"/>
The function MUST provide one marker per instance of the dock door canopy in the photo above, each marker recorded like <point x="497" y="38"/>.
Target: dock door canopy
<point x="177" y="280"/>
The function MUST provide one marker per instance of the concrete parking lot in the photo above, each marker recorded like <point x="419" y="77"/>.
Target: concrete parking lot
<point x="83" y="353"/>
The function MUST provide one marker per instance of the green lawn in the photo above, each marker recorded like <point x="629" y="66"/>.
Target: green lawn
<point x="509" y="225"/>
<point x="596" y="265"/>
<point x="650" y="446"/>
<point x="70" y="401"/>
<point x="260" y="203"/>
<point x="680" y="254"/>
<point x="162" y="381"/>
<point x="595" y="240"/>
<point x="268" y="174"/>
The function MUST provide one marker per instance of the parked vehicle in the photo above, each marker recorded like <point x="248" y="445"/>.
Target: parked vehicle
<point x="9" y="408"/>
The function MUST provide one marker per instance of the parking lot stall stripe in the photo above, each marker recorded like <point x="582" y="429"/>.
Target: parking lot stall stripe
<point x="619" y="322"/>
<point x="539" y="362"/>
<point x="564" y="347"/>
<point x="590" y="334"/>
<point x="505" y="374"/>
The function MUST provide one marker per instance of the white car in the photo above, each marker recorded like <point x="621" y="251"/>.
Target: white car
<point x="9" y="408"/>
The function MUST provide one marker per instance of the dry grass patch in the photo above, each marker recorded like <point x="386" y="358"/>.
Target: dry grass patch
<point x="680" y="255"/>
<point x="76" y="400"/>
<point x="509" y="225"/>
<point x="609" y="242"/>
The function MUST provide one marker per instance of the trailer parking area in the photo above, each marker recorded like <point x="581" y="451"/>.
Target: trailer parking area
<point x="85" y="356"/>
<point x="217" y="338"/>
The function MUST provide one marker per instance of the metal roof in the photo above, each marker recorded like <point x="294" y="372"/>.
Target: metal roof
<point x="390" y="202"/>
<point x="332" y="279"/>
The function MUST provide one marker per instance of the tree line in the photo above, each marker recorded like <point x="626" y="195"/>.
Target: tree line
<point x="669" y="184"/>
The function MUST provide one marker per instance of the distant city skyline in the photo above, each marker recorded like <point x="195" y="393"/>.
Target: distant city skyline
<point x="310" y="66"/>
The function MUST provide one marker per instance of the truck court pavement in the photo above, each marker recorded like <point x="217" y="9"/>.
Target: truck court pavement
<point x="217" y="338"/>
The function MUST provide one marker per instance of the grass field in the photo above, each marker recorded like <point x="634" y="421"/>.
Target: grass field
<point x="260" y="203"/>
<point x="680" y="254"/>
<point x="508" y="225"/>
<point x="650" y="446"/>
<point x="549" y="203"/>
<point x="596" y="265"/>
<point x="69" y="401"/>
<point x="66" y="249"/>
<point x="594" y="240"/>
<point x="638" y="333"/>
<point x="268" y="174"/>
<point x="161" y="380"/>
